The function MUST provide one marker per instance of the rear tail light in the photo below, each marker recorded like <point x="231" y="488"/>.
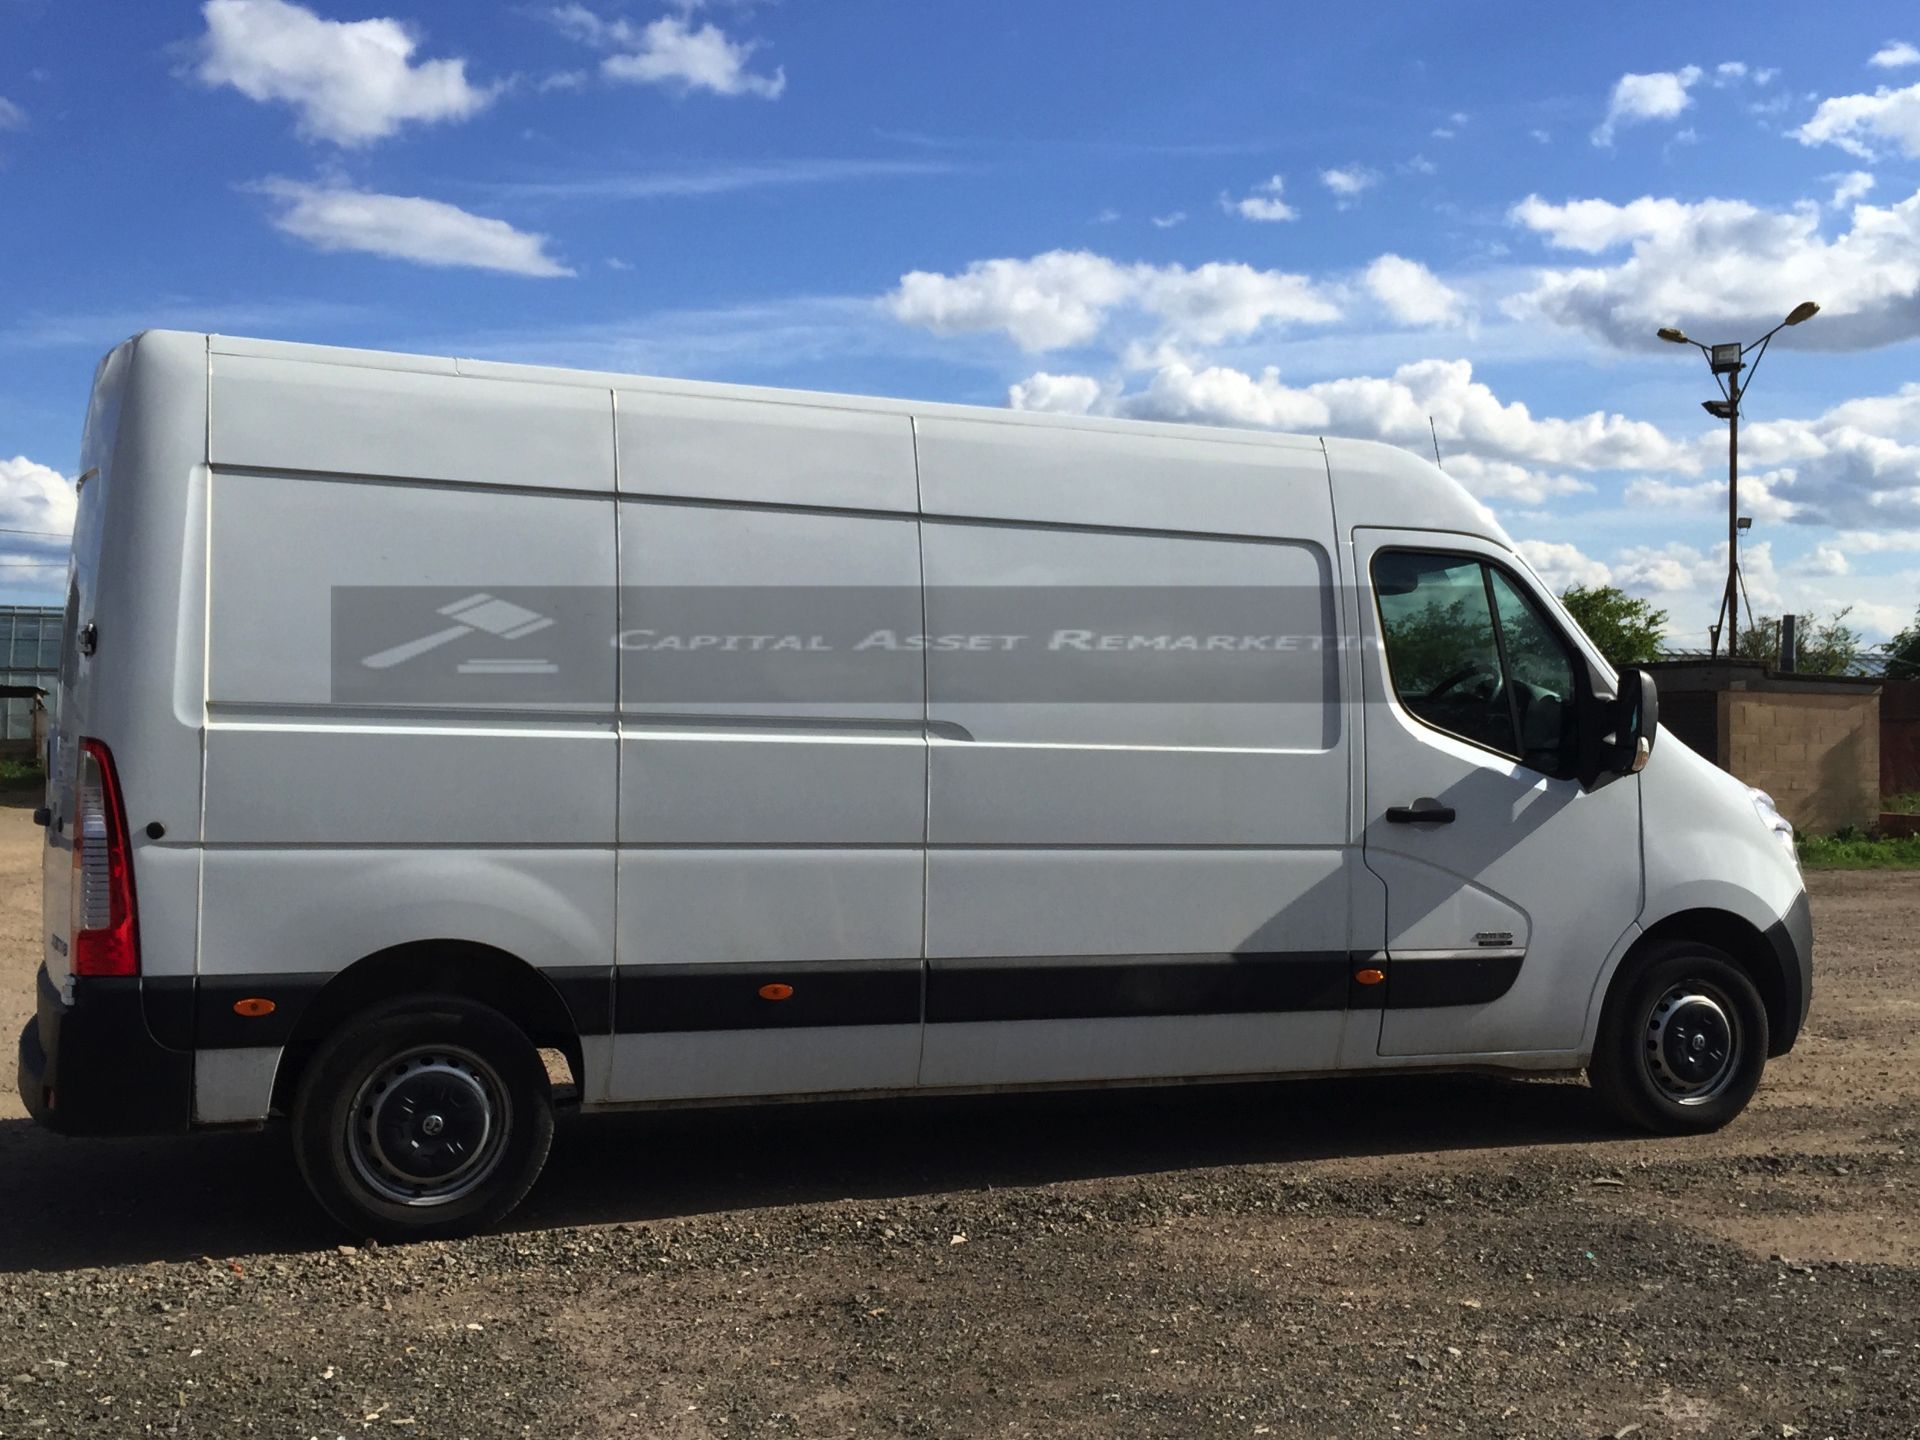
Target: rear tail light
<point x="106" y="932"/>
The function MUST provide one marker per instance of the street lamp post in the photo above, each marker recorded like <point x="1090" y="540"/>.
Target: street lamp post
<point x="1728" y="361"/>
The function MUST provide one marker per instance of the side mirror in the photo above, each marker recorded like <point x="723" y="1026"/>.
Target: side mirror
<point x="1618" y="734"/>
<point x="1636" y="722"/>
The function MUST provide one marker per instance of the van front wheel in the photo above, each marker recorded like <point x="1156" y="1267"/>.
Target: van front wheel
<point x="425" y="1116"/>
<point x="1682" y="1041"/>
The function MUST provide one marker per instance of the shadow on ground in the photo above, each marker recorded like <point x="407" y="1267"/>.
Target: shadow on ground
<point x="66" y="1203"/>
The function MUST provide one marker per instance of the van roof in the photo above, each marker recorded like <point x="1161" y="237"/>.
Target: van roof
<point x="1447" y="502"/>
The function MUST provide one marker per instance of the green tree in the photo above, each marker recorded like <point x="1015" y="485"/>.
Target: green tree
<point x="1826" y="647"/>
<point x="1628" y="631"/>
<point x="1903" y="653"/>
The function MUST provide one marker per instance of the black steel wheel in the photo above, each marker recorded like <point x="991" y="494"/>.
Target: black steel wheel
<point x="1683" y="1039"/>
<point x="427" y="1115"/>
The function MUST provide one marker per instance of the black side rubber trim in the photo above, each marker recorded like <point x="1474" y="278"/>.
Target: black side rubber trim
<point x="1453" y="980"/>
<point x="1790" y="940"/>
<point x="217" y="1026"/>
<point x="663" y="998"/>
<point x="168" y="1000"/>
<point x="587" y="992"/>
<point x="94" y="1068"/>
<point x="1105" y="987"/>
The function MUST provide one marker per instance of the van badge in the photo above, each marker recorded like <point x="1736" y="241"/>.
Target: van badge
<point x="1494" y="939"/>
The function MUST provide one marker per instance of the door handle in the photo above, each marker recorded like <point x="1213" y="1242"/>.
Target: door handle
<point x="1425" y="815"/>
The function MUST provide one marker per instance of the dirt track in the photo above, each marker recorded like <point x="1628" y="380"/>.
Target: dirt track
<point x="1423" y="1256"/>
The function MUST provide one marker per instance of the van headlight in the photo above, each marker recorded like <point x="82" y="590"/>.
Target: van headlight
<point x="1781" y="827"/>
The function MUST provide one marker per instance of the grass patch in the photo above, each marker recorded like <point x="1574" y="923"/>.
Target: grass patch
<point x="1908" y="804"/>
<point x="21" y="775"/>
<point x="1851" y="850"/>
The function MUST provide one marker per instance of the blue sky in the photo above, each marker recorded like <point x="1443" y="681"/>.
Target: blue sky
<point x="1338" y="219"/>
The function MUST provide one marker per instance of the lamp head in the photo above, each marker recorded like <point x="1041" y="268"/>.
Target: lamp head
<point x="1673" y="336"/>
<point x="1805" y="310"/>
<point x="1719" y="409"/>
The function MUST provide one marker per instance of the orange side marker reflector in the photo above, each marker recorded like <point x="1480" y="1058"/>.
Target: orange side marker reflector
<point x="254" y="1007"/>
<point x="1369" y="976"/>
<point x="776" y="992"/>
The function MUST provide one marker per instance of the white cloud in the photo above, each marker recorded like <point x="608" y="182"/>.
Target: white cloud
<point x="351" y="82"/>
<point x="1679" y="577"/>
<point x="1058" y="394"/>
<point x="1823" y="559"/>
<point x="1894" y="54"/>
<point x="671" y="52"/>
<point x="1563" y="565"/>
<point x="1420" y="165"/>
<point x="1595" y="225"/>
<point x="1865" y="125"/>
<point x="1169" y="220"/>
<point x="1638" y="98"/>
<point x="1847" y="188"/>
<point x="12" y="117"/>
<point x="1484" y="440"/>
<point x="1263" y="204"/>
<point x="1349" y="182"/>
<point x="1066" y="297"/>
<point x="1757" y="496"/>
<point x="1454" y="124"/>
<point x="1541" y="137"/>
<point x="1053" y="300"/>
<point x="406" y="227"/>
<point x="1411" y="293"/>
<point x="1729" y="264"/>
<point x="1875" y="542"/>
<point x="34" y="497"/>
<point x="1505" y="481"/>
<point x="582" y="24"/>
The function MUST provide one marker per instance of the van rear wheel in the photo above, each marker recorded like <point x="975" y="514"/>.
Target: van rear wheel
<point x="1682" y="1042"/>
<point x="425" y="1116"/>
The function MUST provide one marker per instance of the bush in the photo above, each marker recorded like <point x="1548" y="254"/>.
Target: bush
<point x="1851" y="850"/>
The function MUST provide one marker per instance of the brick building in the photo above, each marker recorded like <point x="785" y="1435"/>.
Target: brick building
<point x="1810" y="741"/>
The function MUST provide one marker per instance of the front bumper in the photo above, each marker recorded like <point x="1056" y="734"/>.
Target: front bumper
<point x="1790" y="938"/>
<point x="94" y="1067"/>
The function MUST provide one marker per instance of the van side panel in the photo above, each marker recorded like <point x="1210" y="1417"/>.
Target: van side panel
<point x="773" y="803"/>
<point x="1151" y="880"/>
<point x="345" y="420"/>
<point x="340" y="822"/>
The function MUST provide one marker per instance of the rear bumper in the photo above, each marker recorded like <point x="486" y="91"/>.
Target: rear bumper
<point x="1791" y="940"/>
<point x="94" y="1068"/>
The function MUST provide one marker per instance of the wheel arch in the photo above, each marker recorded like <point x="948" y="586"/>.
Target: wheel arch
<point x="524" y="993"/>
<point x="1751" y="948"/>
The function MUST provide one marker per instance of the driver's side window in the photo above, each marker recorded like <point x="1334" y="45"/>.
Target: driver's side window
<point x="1471" y="655"/>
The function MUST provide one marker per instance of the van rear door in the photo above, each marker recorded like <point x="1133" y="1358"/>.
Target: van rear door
<point x="74" y="685"/>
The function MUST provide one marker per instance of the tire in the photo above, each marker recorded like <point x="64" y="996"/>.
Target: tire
<point x="425" y="1116"/>
<point x="1682" y="1041"/>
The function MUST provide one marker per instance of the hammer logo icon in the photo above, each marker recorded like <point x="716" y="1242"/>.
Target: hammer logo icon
<point x="474" y="614"/>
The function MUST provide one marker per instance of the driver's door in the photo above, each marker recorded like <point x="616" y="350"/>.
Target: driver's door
<point x="1507" y="883"/>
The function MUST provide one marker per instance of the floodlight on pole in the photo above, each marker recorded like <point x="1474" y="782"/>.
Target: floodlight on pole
<point x="1726" y="362"/>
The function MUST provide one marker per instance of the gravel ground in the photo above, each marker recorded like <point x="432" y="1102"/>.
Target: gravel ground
<point x="1456" y="1255"/>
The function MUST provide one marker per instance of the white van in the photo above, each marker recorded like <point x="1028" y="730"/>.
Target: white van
<point x="429" y="727"/>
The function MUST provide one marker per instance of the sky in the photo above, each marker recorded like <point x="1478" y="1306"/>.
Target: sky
<point x="1409" y="222"/>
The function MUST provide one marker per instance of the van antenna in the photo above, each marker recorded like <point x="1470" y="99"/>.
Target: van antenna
<point x="1436" y="443"/>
